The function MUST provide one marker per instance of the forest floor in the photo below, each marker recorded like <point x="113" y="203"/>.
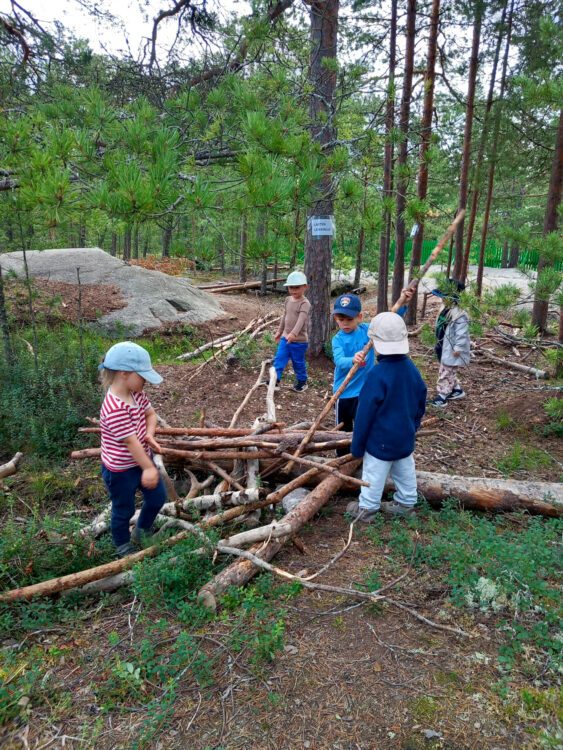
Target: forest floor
<point x="323" y="671"/>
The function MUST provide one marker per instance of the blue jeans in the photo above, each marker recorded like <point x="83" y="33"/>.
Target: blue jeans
<point x="122" y="486"/>
<point x="375" y="471"/>
<point x="295" y="352"/>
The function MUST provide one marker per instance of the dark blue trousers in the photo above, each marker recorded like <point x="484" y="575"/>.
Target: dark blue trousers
<point x="295" y="352"/>
<point x="122" y="486"/>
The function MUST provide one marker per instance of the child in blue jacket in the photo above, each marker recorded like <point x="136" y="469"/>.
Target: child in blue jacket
<point x="347" y="348"/>
<point x="390" y="409"/>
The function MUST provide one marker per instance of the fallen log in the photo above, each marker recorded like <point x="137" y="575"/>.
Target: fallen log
<point x="514" y="365"/>
<point x="243" y="570"/>
<point x="11" y="467"/>
<point x="218" y="288"/>
<point x="496" y="495"/>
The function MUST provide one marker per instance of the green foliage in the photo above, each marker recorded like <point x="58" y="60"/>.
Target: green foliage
<point x="521" y="457"/>
<point x="41" y="409"/>
<point x="553" y="407"/>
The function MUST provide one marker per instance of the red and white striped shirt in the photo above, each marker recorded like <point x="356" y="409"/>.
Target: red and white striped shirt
<point x="118" y="421"/>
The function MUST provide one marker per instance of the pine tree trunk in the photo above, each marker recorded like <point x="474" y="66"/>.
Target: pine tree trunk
<point x="385" y="238"/>
<point x="481" y="151"/>
<point x="361" y="238"/>
<point x="166" y="240"/>
<point x="494" y="146"/>
<point x="504" y="260"/>
<point x="425" y="133"/>
<point x="539" y="311"/>
<point x="402" y="159"/>
<point x="136" y="244"/>
<point x="113" y="250"/>
<point x="466" y="153"/>
<point x="514" y="255"/>
<point x="318" y="250"/>
<point x="242" y="258"/>
<point x="127" y="244"/>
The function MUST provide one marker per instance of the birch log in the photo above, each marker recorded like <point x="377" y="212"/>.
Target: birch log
<point x="11" y="467"/>
<point x="243" y="570"/>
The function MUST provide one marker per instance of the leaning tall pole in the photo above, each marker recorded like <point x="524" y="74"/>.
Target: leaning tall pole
<point x="413" y="285"/>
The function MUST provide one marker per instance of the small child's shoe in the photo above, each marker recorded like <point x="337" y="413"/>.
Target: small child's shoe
<point x="361" y="514"/>
<point x="396" y="509"/>
<point x="141" y="537"/>
<point x="123" y="550"/>
<point x="439" y="401"/>
<point x="300" y="386"/>
<point x="456" y="393"/>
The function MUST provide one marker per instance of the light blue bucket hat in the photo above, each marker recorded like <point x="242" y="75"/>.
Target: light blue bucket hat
<point x="130" y="357"/>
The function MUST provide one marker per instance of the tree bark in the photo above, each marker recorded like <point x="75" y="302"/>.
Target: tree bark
<point x="318" y="250"/>
<point x="466" y="154"/>
<point x="166" y="240"/>
<point x="481" y="151"/>
<point x="113" y="250"/>
<point x="402" y="158"/>
<point x="242" y="258"/>
<point x="539" y="311"/>
<point x="362" y="236"/>
<point x="425" y="133"/>
<point x="494" y="147"/>
<point x="127" y="244"/>
<point x="385" y="239"/>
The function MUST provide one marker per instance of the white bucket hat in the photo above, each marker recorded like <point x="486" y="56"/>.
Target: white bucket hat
<point x="296" y="278"/>
<point x="389" y="334"/>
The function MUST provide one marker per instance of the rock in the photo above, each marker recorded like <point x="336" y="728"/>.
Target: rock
<point x="154" y="298"/>
<point x="293" y="498"/>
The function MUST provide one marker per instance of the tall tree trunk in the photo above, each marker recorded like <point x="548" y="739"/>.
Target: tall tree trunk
<point x="514" y="255"/>
<point x="146" y="245"/>
<point x="166" y="240"/>
<point x="127" y="244"/>
<point x="318" y="250"/>
<point x="504" y="259"/>
<point x="385" y="238"/>
<point x="242" y="257"/>
<point x="136" y="243"/>
<point x="82" y="233"/>
<point x="425" y="132"/>
<point x="539" y="311"/>
<point x="466" y="153"/>
<point x="113" y="250"/>
<point x="402" y="159"/>
<point x="482" y="141"/>
<point x="362" y="236"/>
<point x="493" y="156"/>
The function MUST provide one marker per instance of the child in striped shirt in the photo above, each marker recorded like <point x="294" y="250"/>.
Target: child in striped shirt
<point x="128" y="424"/>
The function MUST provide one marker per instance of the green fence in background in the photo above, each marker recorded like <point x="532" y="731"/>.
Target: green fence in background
<point x="528" y="259"/>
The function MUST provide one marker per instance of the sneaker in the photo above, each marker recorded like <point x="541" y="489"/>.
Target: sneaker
<point x="126" y="549"/>
<point x="439" y="401"/>
<point x="456" y="393"/>
<point x="396" y="509"/>
<point x="141" y="537"/>
<point x="361" y="514"/>
<point x="300" y="386"/>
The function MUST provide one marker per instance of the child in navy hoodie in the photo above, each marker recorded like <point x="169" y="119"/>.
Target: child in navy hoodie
<point x="390" y="409"/>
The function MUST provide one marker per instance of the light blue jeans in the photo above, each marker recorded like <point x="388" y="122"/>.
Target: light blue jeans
<point x="375" y="472"/>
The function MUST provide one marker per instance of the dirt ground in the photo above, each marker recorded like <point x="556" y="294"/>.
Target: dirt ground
<point x="349" y="677"/>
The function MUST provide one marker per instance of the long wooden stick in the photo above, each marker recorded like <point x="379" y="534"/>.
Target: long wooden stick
<point x="246" y="399"/>
<point x="398" y="304"/>
<point x="514" y="365"/>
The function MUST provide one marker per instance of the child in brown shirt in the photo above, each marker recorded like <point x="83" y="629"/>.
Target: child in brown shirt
<point x="292" y="331"/>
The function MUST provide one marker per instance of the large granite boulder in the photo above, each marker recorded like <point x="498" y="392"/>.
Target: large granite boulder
<point x="153" y="298"/>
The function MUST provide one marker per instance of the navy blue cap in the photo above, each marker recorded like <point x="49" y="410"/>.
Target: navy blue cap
<point x="347" y="304"/>
<point x="451" y="290"/>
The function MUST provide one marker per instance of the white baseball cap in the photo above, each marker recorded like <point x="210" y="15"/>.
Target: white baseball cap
<point x="389" y="334"/>
<point x="296" y="278"/>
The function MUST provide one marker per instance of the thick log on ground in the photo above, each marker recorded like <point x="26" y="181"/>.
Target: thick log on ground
<point x="243" y="570"/>
<point x="11" y="467"/>
<point x="497" y="495"/>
